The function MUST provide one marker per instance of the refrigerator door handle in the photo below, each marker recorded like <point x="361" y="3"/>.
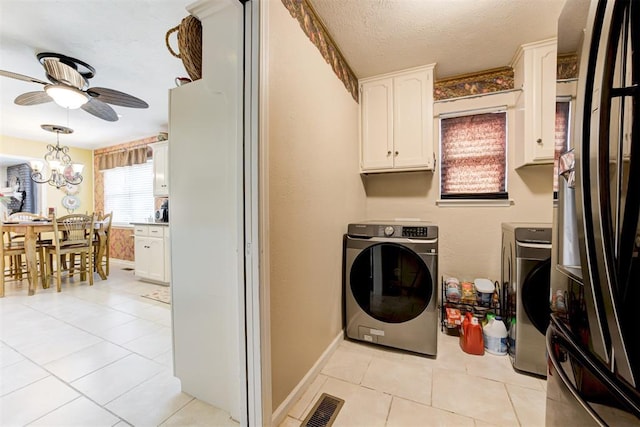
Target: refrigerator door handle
<point x="560" y="334"/>
<point x="551" y="334"/>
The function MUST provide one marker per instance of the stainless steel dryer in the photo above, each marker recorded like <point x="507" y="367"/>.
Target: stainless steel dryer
<point x="391" y="272"/>
<point x="526" y="277"/>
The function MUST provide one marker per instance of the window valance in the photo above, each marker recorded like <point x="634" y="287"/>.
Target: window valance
<point x="124" y="157"/>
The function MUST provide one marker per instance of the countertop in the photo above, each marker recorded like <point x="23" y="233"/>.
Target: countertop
<point x="166" y="224"/>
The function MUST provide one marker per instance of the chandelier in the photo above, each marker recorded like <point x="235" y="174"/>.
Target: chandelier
<point x="57" y="169"/>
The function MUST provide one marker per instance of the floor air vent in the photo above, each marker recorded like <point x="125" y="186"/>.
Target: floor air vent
<point x="324" y="412"/>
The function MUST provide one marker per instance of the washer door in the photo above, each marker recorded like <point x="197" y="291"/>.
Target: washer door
<point x="391" y="283"/>
<point x="535" y="295"/>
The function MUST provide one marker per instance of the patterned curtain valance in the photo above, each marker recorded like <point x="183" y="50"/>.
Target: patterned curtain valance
<point x="123" y="157"/>
<point x="319" y="36"/>
<point x="567" y="66"/>
<point x="482" y="82"/>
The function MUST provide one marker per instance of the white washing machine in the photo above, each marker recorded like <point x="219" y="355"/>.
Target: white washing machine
<point x="391" y="285"/>
<point x="526" y="280"/>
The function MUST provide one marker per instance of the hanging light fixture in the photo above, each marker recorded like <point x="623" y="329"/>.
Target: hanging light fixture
<point x="57" y="169"/>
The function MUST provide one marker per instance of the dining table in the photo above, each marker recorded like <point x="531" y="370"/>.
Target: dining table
<point x="31" y="230"/>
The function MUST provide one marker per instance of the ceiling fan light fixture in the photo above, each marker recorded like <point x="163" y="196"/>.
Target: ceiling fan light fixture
<point x="66" y="96"/>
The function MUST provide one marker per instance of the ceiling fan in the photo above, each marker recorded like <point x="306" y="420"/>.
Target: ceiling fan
<point x="69" y="88"/>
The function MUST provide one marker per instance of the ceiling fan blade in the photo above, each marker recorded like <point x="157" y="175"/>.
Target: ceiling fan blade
<point x="33" y="98"/>
<point x="116" y="97"/>
<point x="62" y="73"/>
<point x="21" y="77"/>
<point x="100" y="110"/>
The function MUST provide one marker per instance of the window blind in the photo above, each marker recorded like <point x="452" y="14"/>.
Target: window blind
<point x="473" y="156"/>
<point x="128" y="192"/>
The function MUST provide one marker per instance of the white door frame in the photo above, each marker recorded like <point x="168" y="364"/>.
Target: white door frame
<point x="257" y="309"/>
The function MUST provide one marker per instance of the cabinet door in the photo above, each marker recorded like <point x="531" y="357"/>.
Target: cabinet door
<point x="376" y="125"/>
<point x="142" y="260"/>
<point x="156" y="259"/>
<point x="412" y="120"/>
<point x="544" y="103"/>
<point x="167" y="256"/>
<point x="160" y="170"/>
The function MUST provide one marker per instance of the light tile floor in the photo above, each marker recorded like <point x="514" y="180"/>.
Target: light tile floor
<point x="92" y="356"/>
<point x="384" y="387"/>
<point x="101" y="356"/>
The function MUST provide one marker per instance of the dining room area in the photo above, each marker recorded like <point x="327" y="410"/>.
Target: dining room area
<point x="41" y="243"/>
<point x="41" y="249"/>
<point x="80" y="332"/>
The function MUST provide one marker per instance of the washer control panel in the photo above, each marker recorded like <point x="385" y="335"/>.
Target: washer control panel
<point x="415" y="232"/>
<point x="410" y="231"/>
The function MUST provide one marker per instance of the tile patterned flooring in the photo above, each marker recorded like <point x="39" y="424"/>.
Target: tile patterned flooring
<point x="92" y="356"/>
<point x="384" y="387"/>
<point x="101" y="356"/>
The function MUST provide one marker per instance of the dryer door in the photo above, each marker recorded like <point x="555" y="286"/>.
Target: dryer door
<point x="391" y="283"/>
<point x="535" y="295"/>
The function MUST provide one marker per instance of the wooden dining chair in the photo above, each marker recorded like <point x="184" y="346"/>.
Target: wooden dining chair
<point x="26" y="216"/>
<point x="73" y="236"/>
<point x="16" y="263"/>
<point x="103" y="233"/>
<point x="9" y="251"/>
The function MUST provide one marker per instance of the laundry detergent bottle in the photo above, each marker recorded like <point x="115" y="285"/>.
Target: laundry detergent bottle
<point x="471" y="335"/>
<point x="495" y="337"/>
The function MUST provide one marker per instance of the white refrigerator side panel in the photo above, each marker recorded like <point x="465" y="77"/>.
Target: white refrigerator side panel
<point x="205" y="161"/>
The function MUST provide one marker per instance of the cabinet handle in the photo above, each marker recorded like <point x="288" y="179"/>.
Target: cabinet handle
<point x="388" y="153"/>
<point x="539" y="140"/>
<point x="396" y="153"/>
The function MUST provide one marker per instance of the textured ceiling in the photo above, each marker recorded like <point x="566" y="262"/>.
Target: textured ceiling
<point x="461" y="36"/>
<point x="124" y="41"/>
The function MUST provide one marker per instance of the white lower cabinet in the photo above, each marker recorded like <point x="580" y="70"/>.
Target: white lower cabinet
<point x="151" y="253"/>
<point x="167" y="256"/>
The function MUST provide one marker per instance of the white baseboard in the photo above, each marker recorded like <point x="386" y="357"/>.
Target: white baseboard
<point x="281" y="411"/>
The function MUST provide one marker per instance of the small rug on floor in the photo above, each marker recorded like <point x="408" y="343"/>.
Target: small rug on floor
<point x="161" y="294"/>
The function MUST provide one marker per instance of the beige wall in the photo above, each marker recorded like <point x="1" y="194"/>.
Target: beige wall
<point x="469" y="237"/>
<point x="314" y="191"/>
<point x="27" y="149"/>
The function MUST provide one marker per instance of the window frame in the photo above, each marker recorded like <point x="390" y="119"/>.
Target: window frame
<point x="493" y="198"/>
<point x="127" y="222"/>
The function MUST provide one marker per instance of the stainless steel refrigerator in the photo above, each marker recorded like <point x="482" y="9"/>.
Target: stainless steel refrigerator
<point x="593" y="340"/>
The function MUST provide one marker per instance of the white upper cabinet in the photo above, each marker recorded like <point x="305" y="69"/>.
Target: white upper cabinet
<point x="161" y="169"/>
<point x="535" y="74"/>
<point x="396" y="121"/>
<point x="376" y="111"/>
